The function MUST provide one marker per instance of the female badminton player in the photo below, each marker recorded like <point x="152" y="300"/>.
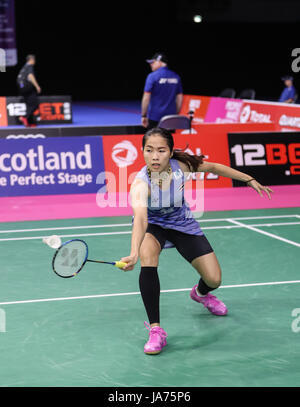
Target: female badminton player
<point x="163" y="219"/>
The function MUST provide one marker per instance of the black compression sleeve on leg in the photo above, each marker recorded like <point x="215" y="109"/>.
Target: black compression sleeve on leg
<point x="150" y="292"/>
<point x="203" y="288"/>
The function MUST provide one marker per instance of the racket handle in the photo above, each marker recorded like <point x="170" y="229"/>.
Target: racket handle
<point x="120" y="264"/>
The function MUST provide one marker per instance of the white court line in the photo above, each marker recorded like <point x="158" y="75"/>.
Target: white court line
<point x="130" y="224"/>
<point x="66" y="228"/>
<point x="258" y="224"/>
<point x="138" y="293"/>
<point x="239" y="226"/>
<point x="77" y="235"/>
<point x="282" y="239"/>
<point x="251" y="217"/>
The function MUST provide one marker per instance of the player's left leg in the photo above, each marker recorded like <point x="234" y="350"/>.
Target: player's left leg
<point x="209" y="269"/>
<point x="197" y="250"/>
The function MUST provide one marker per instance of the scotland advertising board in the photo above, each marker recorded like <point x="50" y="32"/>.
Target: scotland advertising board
<point x="60" y="165"/>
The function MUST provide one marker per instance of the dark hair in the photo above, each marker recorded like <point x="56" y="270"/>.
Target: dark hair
<point x="29" y="57"/>
<point x="192" y="161"/>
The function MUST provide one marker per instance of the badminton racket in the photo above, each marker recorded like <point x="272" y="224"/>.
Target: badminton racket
<point x="71" y="256"/>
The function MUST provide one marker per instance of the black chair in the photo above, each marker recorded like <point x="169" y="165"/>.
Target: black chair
<point x="247" y="94"/>
<point x="175" y="121"/>
<point x="227" y="93"/>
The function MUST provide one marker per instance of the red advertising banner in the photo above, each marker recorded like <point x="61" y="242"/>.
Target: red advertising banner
<point x="286" y="117"/>
<point x="289" y="120"/>
<point x="212" y="141"/>
<point x="255" y="112"/>
<point x="196" y="104"/>
<point x="123" y="159"/>
<point x="3" y="112"/>
<point x="123" y="155"/>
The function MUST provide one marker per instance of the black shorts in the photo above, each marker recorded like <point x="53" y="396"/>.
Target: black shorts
<point x="189" y="246"/>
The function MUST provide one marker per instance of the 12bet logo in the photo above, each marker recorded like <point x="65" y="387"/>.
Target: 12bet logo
<point x="268" y="154"/>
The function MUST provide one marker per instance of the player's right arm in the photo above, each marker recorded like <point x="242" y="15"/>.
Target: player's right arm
<point x="179" y="100"/>
<point x="139" y="201"/>
<point x="150" y="80"/>
<point x="144" y="108"/>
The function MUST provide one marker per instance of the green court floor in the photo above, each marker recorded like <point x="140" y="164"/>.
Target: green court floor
<point x="89" y="330"/>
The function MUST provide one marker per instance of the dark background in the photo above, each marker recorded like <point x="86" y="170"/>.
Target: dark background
<point x="96" y="50"/>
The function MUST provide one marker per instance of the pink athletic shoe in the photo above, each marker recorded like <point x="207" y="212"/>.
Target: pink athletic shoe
<point x="157" y="340"/>
<point x="212" y="303"/>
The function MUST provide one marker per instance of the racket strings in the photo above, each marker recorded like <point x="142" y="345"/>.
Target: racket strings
<point x="70" y="258"/>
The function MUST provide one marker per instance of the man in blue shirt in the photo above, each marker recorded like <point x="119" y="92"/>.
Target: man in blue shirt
<point x="289" y="92"/>
<point x="162" y="92"/>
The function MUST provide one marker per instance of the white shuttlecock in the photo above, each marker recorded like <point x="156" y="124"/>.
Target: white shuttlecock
<point x="52" y="241"/>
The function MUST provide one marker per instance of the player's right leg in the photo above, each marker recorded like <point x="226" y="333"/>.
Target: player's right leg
<point x="150" y="292"/>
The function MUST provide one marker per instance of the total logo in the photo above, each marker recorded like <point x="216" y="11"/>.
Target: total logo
<point x="124" y="154"/>
<point x="248" y="115"/>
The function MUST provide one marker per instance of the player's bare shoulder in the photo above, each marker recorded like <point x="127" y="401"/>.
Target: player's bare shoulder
<point x="139" y="193"/>
<point x="184" y="167"/>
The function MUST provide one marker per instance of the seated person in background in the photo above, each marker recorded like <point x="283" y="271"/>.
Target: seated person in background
<point x="289" y="92"/>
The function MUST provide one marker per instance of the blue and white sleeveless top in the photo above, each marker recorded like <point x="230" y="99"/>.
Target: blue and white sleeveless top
<point x="168" y="208"/>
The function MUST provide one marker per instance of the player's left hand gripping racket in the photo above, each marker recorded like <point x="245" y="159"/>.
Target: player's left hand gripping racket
<point x="72" y="255"/>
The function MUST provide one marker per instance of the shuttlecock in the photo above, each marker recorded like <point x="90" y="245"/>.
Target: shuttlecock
<point x="52" y="241"/>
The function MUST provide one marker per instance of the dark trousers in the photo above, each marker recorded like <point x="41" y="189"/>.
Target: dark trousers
<point x="30" y="97"/>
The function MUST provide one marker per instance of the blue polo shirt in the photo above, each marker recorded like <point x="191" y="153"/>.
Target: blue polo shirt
<point x="164" y="85"/>
<point x="287" y="93"/>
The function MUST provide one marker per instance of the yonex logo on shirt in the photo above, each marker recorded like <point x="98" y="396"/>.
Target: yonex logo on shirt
<point x="168" y="80"/>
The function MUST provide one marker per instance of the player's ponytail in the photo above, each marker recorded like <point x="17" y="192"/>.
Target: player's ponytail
<point x="192" y="161"/>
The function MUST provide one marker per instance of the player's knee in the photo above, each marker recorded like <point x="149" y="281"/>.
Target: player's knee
<point x="149" y="257"/>
<point x="214" y="282"/>
<point x="149" y="253"/>
<point x="217" y="282"/>
<point x="149" y="260"/>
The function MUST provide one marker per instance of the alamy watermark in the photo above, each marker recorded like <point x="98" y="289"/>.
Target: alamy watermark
<point x="2" y="320"/>
<point x="2" y="60"/>
<point x="186" y="189"/>
<point x="296" y="322"/>
<point x="296" y="62"/>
